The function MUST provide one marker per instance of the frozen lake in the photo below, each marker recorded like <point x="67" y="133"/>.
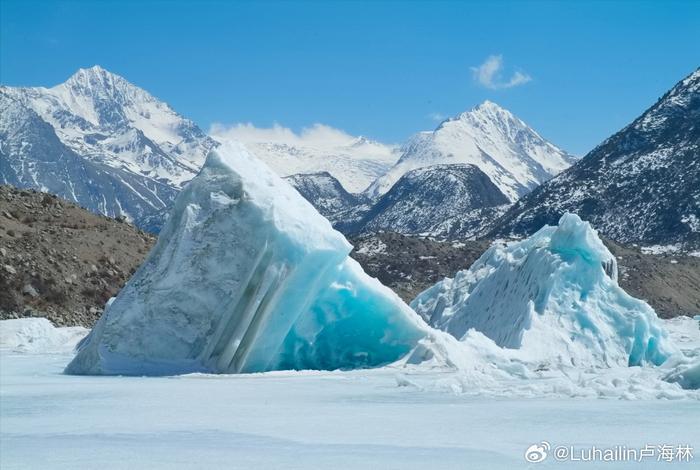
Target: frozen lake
<point x="362" y="419"/>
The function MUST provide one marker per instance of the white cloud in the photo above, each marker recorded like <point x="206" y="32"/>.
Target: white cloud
<point x="318" y="136"/>
<point x="438" y="117"/>
<point x="489" y="74"/>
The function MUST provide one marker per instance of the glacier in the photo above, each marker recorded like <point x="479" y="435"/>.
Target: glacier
<point x="247" y="277"/>
<point x="551" y="301"/>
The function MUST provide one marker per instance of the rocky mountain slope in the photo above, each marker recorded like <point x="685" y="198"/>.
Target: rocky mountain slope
<point x="641" y="185"/>
<point x="32" y="156"/>
<point x="326" y="194"/>
<point x="410" y="265"/>
<point x="99" y="141"/>
<point x="60" y="261"/>
<point x="442" y="201"/>
<point x="512" y="154"/>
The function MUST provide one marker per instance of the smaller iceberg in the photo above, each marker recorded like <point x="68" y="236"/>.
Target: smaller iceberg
<point x="247" y="277"/>
<point x="554" y="299"/>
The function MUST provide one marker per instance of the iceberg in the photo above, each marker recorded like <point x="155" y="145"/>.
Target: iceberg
<point x="552" y="300"/>
<point x="247" y="276"/>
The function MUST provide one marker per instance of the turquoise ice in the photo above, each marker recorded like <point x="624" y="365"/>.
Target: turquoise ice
<point x="554" y="298"/>
<point x="246" y="277"/>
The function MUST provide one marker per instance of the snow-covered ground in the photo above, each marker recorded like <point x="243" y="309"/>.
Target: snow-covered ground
<point x="382" y="418"/>
<point x="301" y="420"/>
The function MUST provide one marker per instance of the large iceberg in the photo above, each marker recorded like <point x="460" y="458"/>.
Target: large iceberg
<point x="552" y="300"/>
<point x="247" y="276"/>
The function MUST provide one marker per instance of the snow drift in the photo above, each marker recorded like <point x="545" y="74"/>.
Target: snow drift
<point x="552" y="300"/>
<point x="247" y="276"/>
<point x="38" y="336"/>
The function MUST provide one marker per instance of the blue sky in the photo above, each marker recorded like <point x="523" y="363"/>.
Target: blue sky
<point x="577" y="71"/>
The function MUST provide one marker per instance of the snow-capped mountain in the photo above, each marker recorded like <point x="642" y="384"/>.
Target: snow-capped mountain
<point x="640" y="185"/>
<point x="33" y="156"/>
<point x="443" y="201"/>
<point x="325" y="193"/>
<point x="513" y="155"/>
<point x="354" y="161"/>
<point x="98" y="122"/>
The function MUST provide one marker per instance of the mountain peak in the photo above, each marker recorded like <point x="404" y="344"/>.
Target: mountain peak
<point x="94" y="69"/>
<point x="685" y="92"/>
<point x="486" y="111"/>
<point x="505" y="148"/>
<point x="93" y="73"/>
<point x="488" y="105"/>
<point x="97" y="81"/>
<point x="102" y="142"/>
<point x="490" y="110"/>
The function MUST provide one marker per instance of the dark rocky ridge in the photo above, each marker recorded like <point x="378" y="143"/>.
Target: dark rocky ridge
<point x="642" y="185"/>
<point x="449" y="201"/>
<point x="325" y="193"/>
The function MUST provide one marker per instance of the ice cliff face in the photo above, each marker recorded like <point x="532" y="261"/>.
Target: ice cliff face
<point x="552" y="297"/>
<point x="246" y="276"/>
